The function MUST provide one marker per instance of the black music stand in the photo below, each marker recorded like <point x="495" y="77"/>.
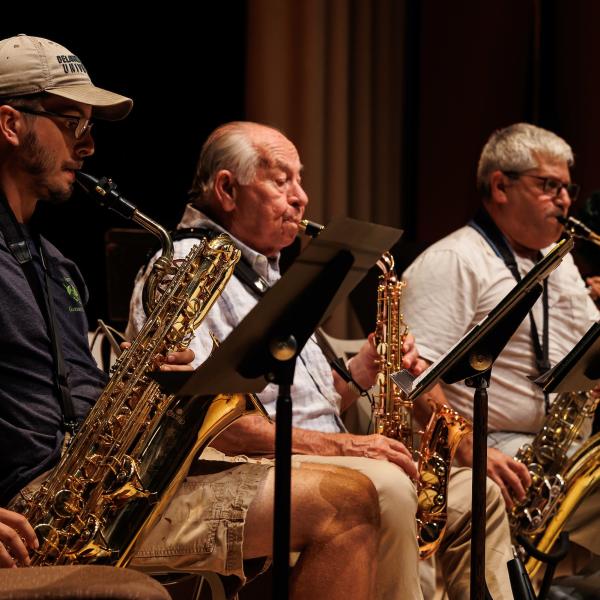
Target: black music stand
<point x="579" y="370"/>
<point x="471" y="360"/>
<point x="264" y="346"/>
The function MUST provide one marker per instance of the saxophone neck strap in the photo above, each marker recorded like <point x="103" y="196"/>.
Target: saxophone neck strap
<point x="485" y="226"/>
<point x="18" y="247"/>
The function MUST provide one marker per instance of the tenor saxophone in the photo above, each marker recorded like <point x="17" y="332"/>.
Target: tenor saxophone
<point x="137" y="443"/>
<point x="392" y="415"/>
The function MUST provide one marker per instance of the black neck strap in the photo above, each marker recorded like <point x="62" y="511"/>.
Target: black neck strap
<point x="243" y="270"/>
<point x="17" y="244"/>
<point x="485" y="226"/>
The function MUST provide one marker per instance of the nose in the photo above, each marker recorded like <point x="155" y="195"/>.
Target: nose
<point x="297" y="197"/>
<point x="563" y="199"/>
<point x="84" y="146"/>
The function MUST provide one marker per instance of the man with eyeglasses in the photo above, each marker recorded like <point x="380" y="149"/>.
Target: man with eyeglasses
<point x="525" y="184"/>
<point x="220" y="518"/>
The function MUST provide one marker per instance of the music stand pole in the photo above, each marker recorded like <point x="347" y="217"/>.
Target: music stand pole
<point x="478" y="482"/>
<point x="285" y="352"/>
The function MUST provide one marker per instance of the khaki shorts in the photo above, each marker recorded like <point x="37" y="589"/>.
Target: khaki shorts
<point x="202" y="528"/>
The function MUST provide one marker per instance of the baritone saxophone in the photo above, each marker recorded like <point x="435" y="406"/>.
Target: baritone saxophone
<point x="137" y="443"/>
<point x="559" y="483"/>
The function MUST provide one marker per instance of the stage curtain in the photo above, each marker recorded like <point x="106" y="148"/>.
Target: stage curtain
<point x="329" y="74"/>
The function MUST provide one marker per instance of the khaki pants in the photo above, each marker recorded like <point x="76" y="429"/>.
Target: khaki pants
<point x="398" y="577"/>
<point x="454" y="553"/>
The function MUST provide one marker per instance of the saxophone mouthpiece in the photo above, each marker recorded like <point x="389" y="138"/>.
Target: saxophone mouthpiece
<point x="578" y="229"/>
<point x="575" y="226"/>
<point x="87" y="182"/>
<point x="105" y="192"/>
<point x="310" y="227"/>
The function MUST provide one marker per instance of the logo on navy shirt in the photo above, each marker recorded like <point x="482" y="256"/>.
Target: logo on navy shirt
<point x="73" y="294"/>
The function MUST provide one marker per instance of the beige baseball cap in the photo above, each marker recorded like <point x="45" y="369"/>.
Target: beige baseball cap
<point x="29" y="65"/>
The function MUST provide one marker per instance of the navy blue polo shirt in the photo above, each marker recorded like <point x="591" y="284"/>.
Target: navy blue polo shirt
<point x="30" y="413"/>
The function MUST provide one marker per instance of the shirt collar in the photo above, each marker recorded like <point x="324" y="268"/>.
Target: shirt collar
<point x="266" y="267"/>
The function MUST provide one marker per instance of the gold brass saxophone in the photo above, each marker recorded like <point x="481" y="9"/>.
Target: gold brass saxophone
<point x="393" y="415"/>
<point x="581" y="477"/>
<point x="558" y="483"/>
<point x="545" y="458"/>
<point x="136" y="445"/>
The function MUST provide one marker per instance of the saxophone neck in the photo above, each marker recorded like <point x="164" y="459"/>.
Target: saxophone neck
<point x="387" y="265"/>
<point x="105" y="192"/>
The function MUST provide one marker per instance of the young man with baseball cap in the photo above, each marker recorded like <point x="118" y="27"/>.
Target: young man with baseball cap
<point x="216" y="520"/>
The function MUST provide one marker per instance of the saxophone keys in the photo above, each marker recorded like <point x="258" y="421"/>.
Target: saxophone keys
<point x="437" y="466"/>
<point x="50" y="539"/>
<point x="430" y="531"/>
<point x="67" y="503"/>
<point x="428" y="499"/>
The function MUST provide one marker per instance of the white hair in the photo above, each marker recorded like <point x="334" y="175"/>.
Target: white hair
<point x="518" y="148"/>
<point x="228" y="147"/>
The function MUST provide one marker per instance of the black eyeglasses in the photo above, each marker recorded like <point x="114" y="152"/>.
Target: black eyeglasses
<point x="78" y="125"/>
<point x="552" y="187"/>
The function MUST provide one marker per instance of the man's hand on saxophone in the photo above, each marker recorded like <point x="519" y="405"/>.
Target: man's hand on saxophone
<point x="363" y="368"/>
<point x="174" y="361"/>
<point x="16" y="536"/>
<point x="378" y="447"/>
<point x="364" y="365"/>
<point x="512" y="476"/>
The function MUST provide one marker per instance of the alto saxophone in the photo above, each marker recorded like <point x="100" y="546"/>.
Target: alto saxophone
<point x="393" y="415"/>
<point x="137" y="443"/>
<point x="558" y="483"/>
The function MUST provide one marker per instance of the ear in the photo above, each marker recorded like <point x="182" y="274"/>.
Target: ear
<point x="225" y="190"/>
<point x="498" y="185"/>
<point x="11" y="125"/>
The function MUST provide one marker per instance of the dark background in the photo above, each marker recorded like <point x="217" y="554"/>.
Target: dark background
<point x="186" y="76"/>
<point x="467" y="68"/>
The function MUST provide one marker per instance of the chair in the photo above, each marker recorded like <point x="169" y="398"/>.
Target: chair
<point x="191" y="586"/>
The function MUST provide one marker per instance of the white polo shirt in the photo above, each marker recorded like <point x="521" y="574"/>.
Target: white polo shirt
<point x="454" y="284"/>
